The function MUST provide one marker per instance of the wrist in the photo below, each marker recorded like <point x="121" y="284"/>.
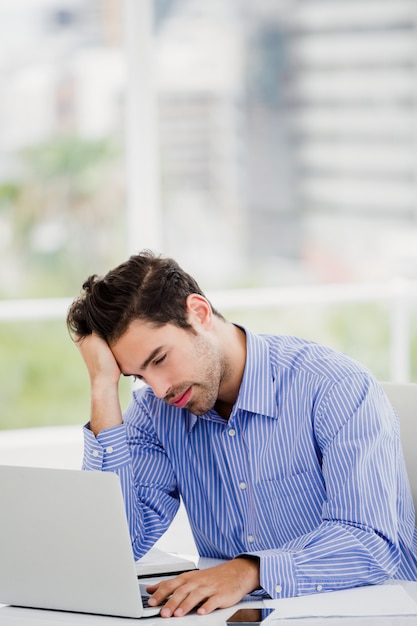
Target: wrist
<point x="104" y="389"/>
<point x="252" y="569"/>
<point x="105" y="407"/>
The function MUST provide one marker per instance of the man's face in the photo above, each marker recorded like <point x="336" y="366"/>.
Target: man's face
<point x="183" y="368"/>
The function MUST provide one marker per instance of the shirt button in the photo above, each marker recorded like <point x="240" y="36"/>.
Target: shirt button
<point x="251" y="538"/>
<point x="109" y="450"/>
<point x="278" y="588"/>
<point x="242" y="485"/>
<point x="232" y="432"/>
<point x="95" y="453"/>
<point x="319" y="587"/>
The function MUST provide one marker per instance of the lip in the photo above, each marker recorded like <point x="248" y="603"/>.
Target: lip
<point x="181" y="401"/>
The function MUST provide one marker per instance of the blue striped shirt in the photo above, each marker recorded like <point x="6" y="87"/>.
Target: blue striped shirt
<point x="307" y="474"/>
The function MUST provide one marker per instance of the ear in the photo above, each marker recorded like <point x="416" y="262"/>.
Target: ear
<point x="199" y="311"/>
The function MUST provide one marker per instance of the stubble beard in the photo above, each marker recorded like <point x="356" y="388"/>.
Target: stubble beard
<point x="216" y="370"/>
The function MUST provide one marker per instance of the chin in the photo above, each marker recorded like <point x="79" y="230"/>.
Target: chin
<point x="198" y="410"/>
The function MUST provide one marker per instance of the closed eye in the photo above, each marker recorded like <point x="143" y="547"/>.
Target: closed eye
<point x="160" y="360"/>
<point x="156" y="362"/>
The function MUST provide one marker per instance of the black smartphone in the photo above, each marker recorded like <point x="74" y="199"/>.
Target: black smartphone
<point x="249" y="617"/>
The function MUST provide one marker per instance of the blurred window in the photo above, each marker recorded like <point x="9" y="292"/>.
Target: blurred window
<point x="285" y="154"/>
<point x="62" y="187"/>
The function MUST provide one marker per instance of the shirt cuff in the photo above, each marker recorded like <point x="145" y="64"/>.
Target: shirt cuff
<point x="106" y="452"/>
<point x="277" y="573"/>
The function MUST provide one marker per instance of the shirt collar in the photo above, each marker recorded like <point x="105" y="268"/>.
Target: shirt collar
<point x="257" y="392"/>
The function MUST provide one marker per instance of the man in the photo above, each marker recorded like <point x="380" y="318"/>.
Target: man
<point x="286" y="454"/>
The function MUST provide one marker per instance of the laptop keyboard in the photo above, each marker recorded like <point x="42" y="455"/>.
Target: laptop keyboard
<point x="145" y="599"/>
<point x="145" y="596"/>
<point x="145" y="604"/>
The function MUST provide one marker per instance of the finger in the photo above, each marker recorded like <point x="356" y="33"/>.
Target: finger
<point x="174" y="601"/>
<point x="162" y="590"/>
<point x="211" y="604"/>
<point x="183" y="601"/>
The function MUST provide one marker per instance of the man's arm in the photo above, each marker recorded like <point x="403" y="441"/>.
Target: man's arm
<point x="104" y="375"/>
<point x="106" y="449"/>
<point x="357" y="541"/>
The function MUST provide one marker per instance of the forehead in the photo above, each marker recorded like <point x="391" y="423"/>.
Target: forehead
<point x="141" y="339"/>
<point x="143" y="332"/>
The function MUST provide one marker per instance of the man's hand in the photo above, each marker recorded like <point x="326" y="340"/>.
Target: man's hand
<point x="214" y="588"/>
<point x="101" y="364"/>
<point x="104" y="375"/>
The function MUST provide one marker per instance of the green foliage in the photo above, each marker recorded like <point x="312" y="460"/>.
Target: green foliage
<point x="359" y="330"/>
<point x="43" y="380"/>
<point x="68" y="157"/>
<point x="9" y="193"/>
<point x="65" y="208"/>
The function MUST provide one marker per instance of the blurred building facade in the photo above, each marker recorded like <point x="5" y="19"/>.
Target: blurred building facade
<point x="287" y="133"/>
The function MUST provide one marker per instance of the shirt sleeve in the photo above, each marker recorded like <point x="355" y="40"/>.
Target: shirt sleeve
<point x="357" y="540"/>
<point x="146" y="477"/>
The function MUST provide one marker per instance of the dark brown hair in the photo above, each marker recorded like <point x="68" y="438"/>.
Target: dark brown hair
<point x="146" y="287"/>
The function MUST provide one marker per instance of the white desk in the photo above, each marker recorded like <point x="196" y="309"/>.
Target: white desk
<point x="14" y="616"/>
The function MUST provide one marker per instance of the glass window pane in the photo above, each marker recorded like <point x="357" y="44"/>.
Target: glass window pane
<point x="288" y="139"/>
<point x="62" y="185"/>
<point x="286" y="147"/>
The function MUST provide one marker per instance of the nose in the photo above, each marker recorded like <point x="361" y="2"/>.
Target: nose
<point x="158" y="385"/>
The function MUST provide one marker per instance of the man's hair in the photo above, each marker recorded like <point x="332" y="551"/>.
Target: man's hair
<point x="145" y="287"/>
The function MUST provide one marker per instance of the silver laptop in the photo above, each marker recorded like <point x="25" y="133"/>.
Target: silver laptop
<point x="65" y="544"/>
